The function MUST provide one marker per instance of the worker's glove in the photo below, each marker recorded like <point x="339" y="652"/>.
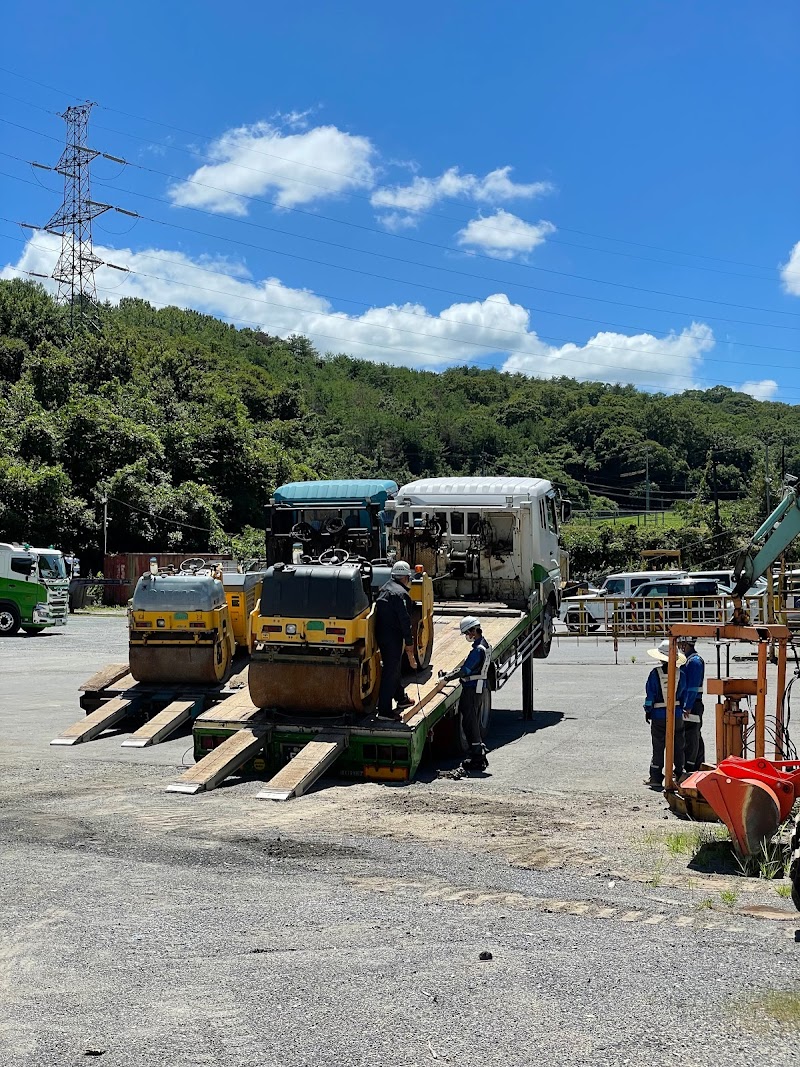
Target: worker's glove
<point x="647" y="716"/>
<point x="448" y="676"/>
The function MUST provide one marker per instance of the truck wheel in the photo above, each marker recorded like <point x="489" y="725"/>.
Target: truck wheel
<point x="9" y="619"/>
<point x="449" y="740"/>
<point x="32" y="631"/>
<point x="794" y="863"/>
<point x="542" y="650"/>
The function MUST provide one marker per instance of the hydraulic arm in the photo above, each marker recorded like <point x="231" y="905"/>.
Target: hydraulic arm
<point x="769" y="540"/>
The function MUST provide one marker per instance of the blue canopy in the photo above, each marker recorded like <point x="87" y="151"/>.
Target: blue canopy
<point x="361" y="490"/>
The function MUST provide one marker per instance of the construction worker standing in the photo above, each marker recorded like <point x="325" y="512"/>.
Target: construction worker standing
<point x="473" y="673"/>
<point x="393" y="632"/>
<point x="694" y="672"/>
<point x="655" y="713"/>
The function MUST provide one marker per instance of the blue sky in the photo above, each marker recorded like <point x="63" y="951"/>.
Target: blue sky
<point x="606" y="191"/>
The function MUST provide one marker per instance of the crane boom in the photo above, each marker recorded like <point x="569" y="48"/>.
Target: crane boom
<point x="769" y="540"/>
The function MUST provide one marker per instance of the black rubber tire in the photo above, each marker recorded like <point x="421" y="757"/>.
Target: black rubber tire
<point x="449" y="740"/>
<point x="32" y="631"/>
<point x="794" y="863"/>
<point x="9" y="619"/>
<point x="542" y="650"/>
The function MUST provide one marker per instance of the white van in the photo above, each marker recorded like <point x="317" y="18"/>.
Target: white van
<point x="591" y="609"/>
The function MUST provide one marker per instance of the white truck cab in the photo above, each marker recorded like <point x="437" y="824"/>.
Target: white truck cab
<point x="484" y="539"/>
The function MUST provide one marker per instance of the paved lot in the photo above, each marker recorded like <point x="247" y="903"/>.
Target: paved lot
<point x="345" y="927"/>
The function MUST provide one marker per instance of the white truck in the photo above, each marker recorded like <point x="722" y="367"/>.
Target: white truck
<point x="34" y="589"/>
<point x="485" y="542"/>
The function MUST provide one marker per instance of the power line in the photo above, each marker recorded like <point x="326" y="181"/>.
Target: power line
<point x="406" y="237"/>
<point x="397" y="329"/>
<point x="427" y="266"/>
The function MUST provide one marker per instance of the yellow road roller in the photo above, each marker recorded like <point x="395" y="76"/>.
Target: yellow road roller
<point x="180" y="628"/>
<point x="315" y="651"/>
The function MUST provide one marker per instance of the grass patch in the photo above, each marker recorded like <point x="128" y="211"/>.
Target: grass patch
<point x="729" y="897"/>
<point x="782" y="1006"/>
<point x="706" y="904"/>
<point x="783" y="890"/>
<point x="690" y="842"/>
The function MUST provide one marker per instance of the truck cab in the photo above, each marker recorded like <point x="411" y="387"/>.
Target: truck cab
<point x="34" y="589"/>
<point x="484" y="540"/>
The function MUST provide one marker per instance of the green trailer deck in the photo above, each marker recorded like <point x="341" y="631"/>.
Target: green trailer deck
<point x="359" y="747"/>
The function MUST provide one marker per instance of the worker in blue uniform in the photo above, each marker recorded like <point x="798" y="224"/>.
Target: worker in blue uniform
<point x="473" y="674"/>
<point x="655" y="713"/>
<point x="393" y="633"/>
<point x="694" y="672"/>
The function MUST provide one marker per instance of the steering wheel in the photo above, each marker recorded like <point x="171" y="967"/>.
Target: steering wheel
<point x="193" y="564"/>
<point x="366" y="570"/>
<point x="303" y="531"/>
<point x="334" y="557"/>
<point x="333" y="525"/>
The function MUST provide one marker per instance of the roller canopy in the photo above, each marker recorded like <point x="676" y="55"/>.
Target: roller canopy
<point x="163" y="592"/>
<point x="315" y="592"/>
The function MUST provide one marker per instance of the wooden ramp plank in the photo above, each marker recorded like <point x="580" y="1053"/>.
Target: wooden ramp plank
<point x="161" y="725"/>
<point x="308" y="765"/>
<point x="91" y="725"/>
<point x="112" y="672"/>
<point x="221" y="761"/>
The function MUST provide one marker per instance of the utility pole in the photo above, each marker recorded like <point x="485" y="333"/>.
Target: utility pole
<point x="105" y="529"/>
<point x="647" y="485"/>
<point x="714" y="487"/>
<point x="766" y="475"/>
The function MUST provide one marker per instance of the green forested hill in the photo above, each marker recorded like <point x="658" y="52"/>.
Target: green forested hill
<point x="182" y="419"/>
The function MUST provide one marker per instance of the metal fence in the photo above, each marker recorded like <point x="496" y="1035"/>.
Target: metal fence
<point x="650" y="616"/>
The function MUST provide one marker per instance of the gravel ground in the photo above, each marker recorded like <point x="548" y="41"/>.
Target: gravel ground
<point x="346" y="927"/>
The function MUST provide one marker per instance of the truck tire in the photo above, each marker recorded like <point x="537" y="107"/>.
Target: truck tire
<point x="542" y="650"/>
<point x="794" y="863"/>
<point x="9" y="619"/>
<point x="486" y="712"/>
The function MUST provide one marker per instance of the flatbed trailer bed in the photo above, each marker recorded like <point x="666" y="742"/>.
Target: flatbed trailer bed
<point x="278" y="746"/>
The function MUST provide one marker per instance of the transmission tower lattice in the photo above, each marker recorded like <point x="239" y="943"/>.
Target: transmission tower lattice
<point x="76" y="265"/>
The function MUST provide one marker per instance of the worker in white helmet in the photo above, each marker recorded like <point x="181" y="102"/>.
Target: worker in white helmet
<point x="473" y="674"/>
<point x="393" y="631"/>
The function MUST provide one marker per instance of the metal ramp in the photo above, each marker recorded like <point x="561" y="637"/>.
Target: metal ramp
<point x="221" y="761"/>
<point x="310" y="763"/>
<point x="109" y="714"/>
<point x="163" y="724"/>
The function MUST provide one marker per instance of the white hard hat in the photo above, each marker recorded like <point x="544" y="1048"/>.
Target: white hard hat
<point x="401" y="569"/>
<point x="662" y="653"/>
<point x="469" y="624"/>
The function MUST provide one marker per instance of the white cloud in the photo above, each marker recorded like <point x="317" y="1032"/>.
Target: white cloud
<point x="406" y="334"/>
<point x="763" y="390"/>
<point x="296" y="168"/>
<point x="667" y="364"/>
<point x="790" y="272"/>
<point x="423" y="193"/>
<point x="503" y="235"/>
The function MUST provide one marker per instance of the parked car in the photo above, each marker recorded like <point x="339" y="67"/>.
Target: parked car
<point x="591" y="609"/>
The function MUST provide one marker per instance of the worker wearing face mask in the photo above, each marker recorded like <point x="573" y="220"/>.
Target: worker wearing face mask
<point x="473" y="674"/>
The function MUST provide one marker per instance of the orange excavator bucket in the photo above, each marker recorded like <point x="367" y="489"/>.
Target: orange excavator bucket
<point x="752" y="797"/>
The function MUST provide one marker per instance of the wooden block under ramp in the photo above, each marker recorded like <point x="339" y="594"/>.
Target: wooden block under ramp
<point x="221" y="761"/>
<point x="163" y="724"/>
<point x="109" y="674"/>
<point x="308" y="765"/>
<point x="110" y="713"/>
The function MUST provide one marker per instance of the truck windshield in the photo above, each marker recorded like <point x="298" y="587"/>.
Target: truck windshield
<point x="51" y="566"/>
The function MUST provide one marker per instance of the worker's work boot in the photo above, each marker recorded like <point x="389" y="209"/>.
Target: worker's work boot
<point x="654" y="783"/>
<point x="391" y="715"/>
<point x="405" y="701"/>
<point x="476" y="762"/>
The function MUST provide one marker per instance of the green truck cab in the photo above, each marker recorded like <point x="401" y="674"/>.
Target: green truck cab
<point x="34" y="589"/>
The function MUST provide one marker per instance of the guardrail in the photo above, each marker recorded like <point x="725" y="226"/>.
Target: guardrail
<point x="649" y="616"/>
